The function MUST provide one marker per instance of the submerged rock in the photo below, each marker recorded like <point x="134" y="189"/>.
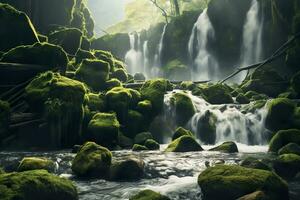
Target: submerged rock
<point x="184" y="144"/>
<point x="127" y="170"/>
<point x="287" y="165"/>
<point x="284" y="137"/>
<point x="232" y="182"/>
<point x="148" y="195"/>
<point x="290" y="148"/>
<point x="33" y="163"/>
<point x="181" y="132"/>
<point x="226" y="147"/>
<point x="92" y="161"/>
<point x="37" y="184"/>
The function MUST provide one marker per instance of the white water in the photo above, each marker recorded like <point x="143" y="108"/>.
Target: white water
<point x="252" y="37"/>
<point x="134" y="57"/>
<point x="231" y="124"/>
<point x="204" y="64"/>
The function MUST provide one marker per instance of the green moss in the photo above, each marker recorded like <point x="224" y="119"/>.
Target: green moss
<point x="149" y="195"/>
<point x="253" y="106"/>
<point x="188" y="85"/>
<point x="144" y="107"/>
<point x="16" y="30"/>
<point x="95" y="102"/>
<point x="33" y="163"/>
<point x="128" y="170"/>
<point x="284" y="137"/>
<point x="242" y="99"/>
<point x="152" y="144"/>
<point x="83" y="54"/>
<point x="38" y="184"/>
<point x="184" y="108"/>
<point x="138" y="147"/>
<point x="92" y="160"/>
<point x="112" y="83"/>
<point x="49" y="56"/>
<point x="4" y="118"/>
<point x="184" y="144"/>
<point x="120" y="74"/>
<point x="232" y="182"/>
<point x="226" y="147"/>
<point x="94" y="73"/>
<point x="104" y="129"/>
<point x="254" y="163"/>
<point x="290" y="148"/>
<point x="287" y="165"/>
<point x="181" y="132"/>
<point x="216" y="94"/>
<point x="236" y="92"/>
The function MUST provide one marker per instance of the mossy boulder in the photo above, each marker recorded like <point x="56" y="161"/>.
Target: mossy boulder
<point x="144" y="107"/>
<point x="38" y="184"/>
<point x="287" y="165"/>
<point x="226" y="147"/>
<point x="206" y="127"/>
<point x="124" y="141"/>
<point x="92" y="160"/>
<point x="68" y="38"/>
<point x="83" y="54"/>
<point x="4" y="118"/>
<point x="95" y="102"/>
<point x="134" y="124"/>
<point x="295" y="82"/>
<point x="284" y="137"/>
<point x="181" y="132"/>
<point x="138" y="147"/>
<point x="48" y="56"/>
<point x="139" y="77"/>
<point x="184" y="144"/>
<point x="16" y="30"/>
<point x="34" y="163"/>
<point x="112" y="83"/>
<point x="106" y="56"/>
<point x="183" y="107"/>
<point x="152" y="144"/>
<point x="131" y="169"/>
<point x="242" y="99"/>
<point x="154" y="91"/>
<point x="103" y="129"/>
<point x="290" y="148"/>
<point x="232" y="182"/>
<point x="254" y="163"/>
<point x="120" y="74"/>
<point x="94" y="73"/>
<point x="216" y="94"/>
<point x="149" y="195"/>
<point x="141" y="138"/>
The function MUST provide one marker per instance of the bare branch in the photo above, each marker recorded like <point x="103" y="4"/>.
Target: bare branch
<point x="164" y="13"/>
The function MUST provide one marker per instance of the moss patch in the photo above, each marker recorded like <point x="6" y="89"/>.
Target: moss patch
<point x="33" y="163"/>
<point x="226" y="147"/>
<point x="184" y="144"/>
<point x="181" y="132"/>
<point x="284" y="137"/>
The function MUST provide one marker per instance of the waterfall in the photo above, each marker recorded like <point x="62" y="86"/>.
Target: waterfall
<point x="156" y="71"/>
<point x="230" y="122"/>
<point x="204" y="64"/>
<point x="252" y="36"/>
<point x="134" y="57"/>
<point x="145" y="57"/>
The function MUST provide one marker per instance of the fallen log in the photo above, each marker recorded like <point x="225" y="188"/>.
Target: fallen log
<point x="139" y="84"/>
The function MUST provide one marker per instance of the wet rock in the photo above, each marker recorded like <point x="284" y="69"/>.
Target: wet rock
<point x="95" y="102"/>
<point x="254" y="163"/>
<point x="226" y="147"/>
<point x="92" y="161"/>
<point x="181" y="132"/>
<point x="184" y="144"/>
<point x="34" y="163"/>
<point x="83" y="54"/>
<point x="131" y="169"/>
<point x="232" y="182"/>
<point x="287" y="165"/>
<point x="206" y="127"/>
<point x="111" y="83"/>
<point x="290" y="148"/>
<point x="120" y="74"/>
<point x="139" y="77"/>
<point x="149" y="195"/>
<point x="38" y="184"/>
<point x="152" y="144"/>
<point x="242" y="99"/>
<point x="107" y="57"/>
<point x="145" y="107"/>
<point x="284" y="137"/>
<point x="138" y="147"/>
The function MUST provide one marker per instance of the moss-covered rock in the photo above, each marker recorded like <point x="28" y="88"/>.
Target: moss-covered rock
<point x="184" y="144"/>
<point x="120" y="74"/>
<point x="34" y="163"/>
<point x="138" y="147"/>
<point x="124" y="141"/>
<point x="106" y="56"/>
<point x="94" y="73"/>
<point x="242" y="99"/>
<point x="232" y="182"/>
<point x="38" y="184"/>
<point x="206" y="127"/>
<point x="144" y="107"/>
<point x="284" y="137"/>
<point x="287" y="165"/>
<point x="141" y="138"/>
<point x="49" y="56"/>
<point x="134" y="124"/>
<point x="181" y="132"/>
<point x="290" y="148"/>
<point x="16" y="30"/>
<point x="83" y="54"/>
<point x="226" y="147"/>
<point x="254" y="163"/>
<point x="139" y="77"/>
<point x="188" y="85"/>
<point x="131" y="169"/>
<point x="104" y="129"/>
<point x="148" y="195"/>
<point x="95" y="102"/>
<point x="4" y="118"/>
<point x="112" y="83"/>
<point x="183" y="107"/>
<point x="92" y="160"/>
<point x="216" y="94"/>
<point x="152" y="144"/>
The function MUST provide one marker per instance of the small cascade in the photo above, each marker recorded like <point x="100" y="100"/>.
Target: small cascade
<point x="218" y="123"/>
<point x="156" y="72"/>
<point x="134" y="57"/>
<point x="204" y="64"/>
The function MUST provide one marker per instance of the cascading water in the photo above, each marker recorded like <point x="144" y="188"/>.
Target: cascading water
<point x="145" y="57"/>
<point x="134" y="57"/>
<point x="157" y="57"/>
<point x="204" y="64"/>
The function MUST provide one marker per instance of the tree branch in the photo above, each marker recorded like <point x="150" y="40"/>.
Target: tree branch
<point x="164" y="13"/>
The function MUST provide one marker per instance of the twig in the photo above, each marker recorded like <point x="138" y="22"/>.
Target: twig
<point x="165" y="14"/>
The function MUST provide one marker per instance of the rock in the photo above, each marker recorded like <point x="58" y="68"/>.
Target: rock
<point x="83" y="54"/>
<point x="125" y="142"/>
<point x="111" y="83"/>
<point x="134" y="124"/>
<point x="18" y="28"/>
<point x="95" y="102"/>
<point x="148" y="195"/>
<point x="139" y="77"/>
<point x="38" y="184"/>
<point x="258" y="195"/>
<point x="68" y="38"/>
<point x="107" y="57"/>
<point x="184" y="144"/>
<point x="152" y="144"/>
<point x="94" y="73"/>
<point x="254" y="163"/>
<point x="183" y="107"/>
<point x="216" y="94"/>
<point x="141" y="138"/>
<point x="92" y="161"/>
<point x="206" y="127"/>
<point x="144" y="107"/>
<point x="232" y="182"/>
<point x="181" y="132"/>
<point x="76" y="148"/>
<point x="287" y="165"/>
<point x="290" y="148"/>
<point x="103" y="129"/>
<point x="154" y="91"/>
<point x="280" y="114"/>
<point x="33" y="163"/>
<point x="188" y="85"/>
<point x="131" y="169"/>
<point x="4" y="119"/>
<point x="295" y="82"/>
<point x="120" y="74"/>
<point x="138" y="147"/>
<point x="284" y="137"/>
<point x="49" y="56"/>
<point x="242" y="99"/>
<point x="226" y="147"/>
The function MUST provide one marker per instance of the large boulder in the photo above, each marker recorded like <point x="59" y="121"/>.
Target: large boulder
<point x="284" y="137"/>
<point x="290" y="148"/>
<point x="287" y="165"/>
<point x="184" y="144"/>
<point x="181" y="132"/>
<point x="131" y="169"/>
<point x="34" y="163"/>
<point x="134" y="124"/>
<point x="149" y="195"/>
<point x="216" y="94"/>
<point x="92" y="160"/>
<point x="37" y="184"/>
<point x="232" y="182"/>
<point x="16" y="30"/>
<point x="226" y="147"/>
<point x="103" y="129"/>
